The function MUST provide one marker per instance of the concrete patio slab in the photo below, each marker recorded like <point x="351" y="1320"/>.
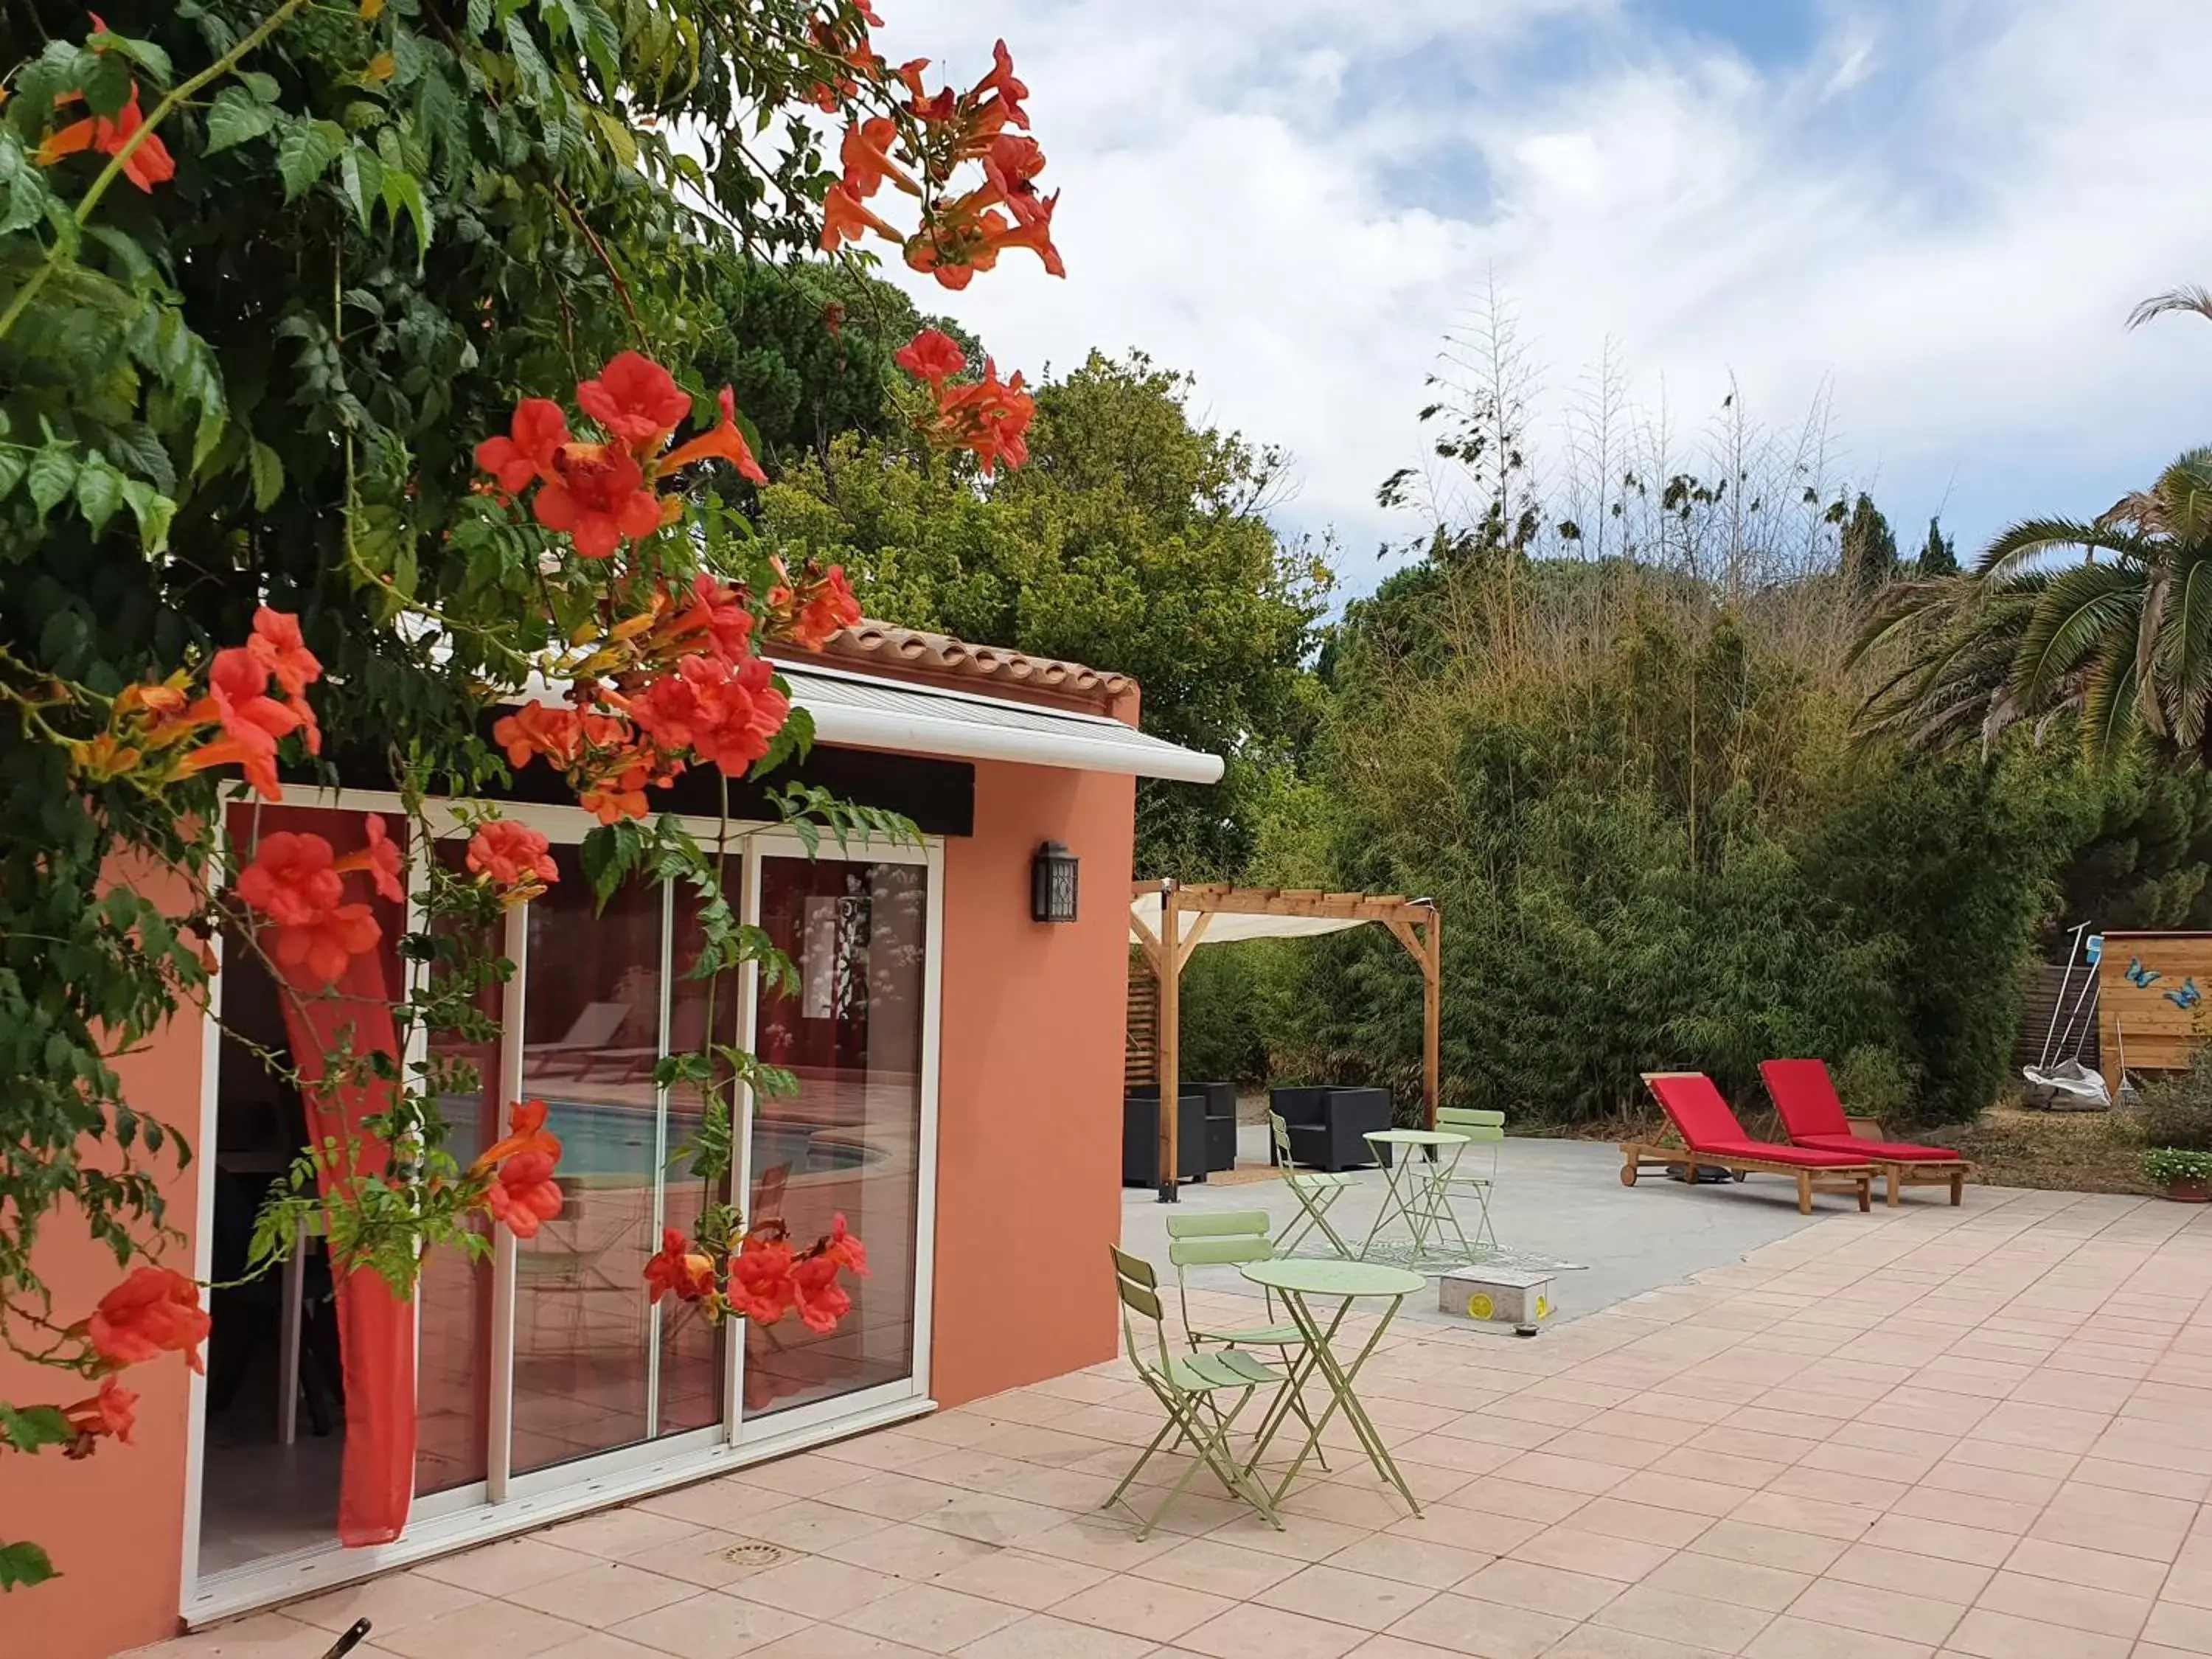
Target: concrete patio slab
<point x="1561" y="1198"/>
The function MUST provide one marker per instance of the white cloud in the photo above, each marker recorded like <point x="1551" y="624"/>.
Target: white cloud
<point x="1947" y="208"/>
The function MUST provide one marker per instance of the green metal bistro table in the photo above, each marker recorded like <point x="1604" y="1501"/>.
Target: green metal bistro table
<point x="1297" y="1277"/>
<point x="1413" y="1183"/>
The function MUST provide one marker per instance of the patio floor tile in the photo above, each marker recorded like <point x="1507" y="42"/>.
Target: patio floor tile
<point x="1540" y="1589"/>
<point x="1742" y="1584"/>
<point x="1689" y="1619"/>
<point x="712" y="1625"/>
<point x="1364" y="1600"/>
<point x="929" y="1617"/>
<point x="1042" y="1635"/>
<point x="1249" y="1629"/>
<point x="1487" y="1630"/>
<point x="1878" y="1611"/>
<point x="1988" y="1634"/>
<point x="1142" y="1606"/>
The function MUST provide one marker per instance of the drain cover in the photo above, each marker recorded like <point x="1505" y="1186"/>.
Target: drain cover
<point x="753" y="1555"/>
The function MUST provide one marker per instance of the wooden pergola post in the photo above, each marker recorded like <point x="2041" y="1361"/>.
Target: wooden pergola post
<point x="1169" y="969"/>
<point x="1432" y="1016"/>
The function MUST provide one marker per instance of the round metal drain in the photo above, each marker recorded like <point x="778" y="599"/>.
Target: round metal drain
<point x="753" y="1555"/>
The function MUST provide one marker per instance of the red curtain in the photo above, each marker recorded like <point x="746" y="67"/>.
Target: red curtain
<point x="376" y="1329"/>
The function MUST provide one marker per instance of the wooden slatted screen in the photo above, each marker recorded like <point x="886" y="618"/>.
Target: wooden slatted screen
<point x="1141" y="1062"/>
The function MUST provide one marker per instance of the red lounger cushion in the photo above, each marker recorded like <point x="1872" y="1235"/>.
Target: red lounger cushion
<point x="1704" y="1120"/>
<point x="1893" y="1151"/>
<point x="1803" y="1093"/>
<point x="1805" y="1096"/>
<point x="1696" y="1109"/>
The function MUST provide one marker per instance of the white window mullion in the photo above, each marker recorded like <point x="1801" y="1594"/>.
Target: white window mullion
<point x="499" y="1460"/>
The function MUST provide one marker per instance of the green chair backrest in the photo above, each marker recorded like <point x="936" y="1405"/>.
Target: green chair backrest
<point x="1476" y="1125"/>
<point x="1237" y="1235"/>
<point x="1280" y="1132"/>
<point x="1139" y="1286"/>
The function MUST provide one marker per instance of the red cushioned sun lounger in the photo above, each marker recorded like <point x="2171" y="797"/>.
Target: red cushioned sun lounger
<point x="1805" y="1096"/>
<point x="1714" y="1137"/>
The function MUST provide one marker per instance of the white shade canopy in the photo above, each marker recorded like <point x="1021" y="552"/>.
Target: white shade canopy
<point x="1222" y="927"/>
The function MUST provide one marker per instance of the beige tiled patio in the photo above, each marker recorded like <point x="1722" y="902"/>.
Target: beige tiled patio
<point x="1981" y="1432"/>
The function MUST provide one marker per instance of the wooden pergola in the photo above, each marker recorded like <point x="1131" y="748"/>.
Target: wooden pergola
<point x="1187" y="919"/>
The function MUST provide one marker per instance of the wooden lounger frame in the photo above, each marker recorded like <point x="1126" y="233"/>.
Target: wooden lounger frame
<point x="1637" y="1156"/>
<point x="1950" y="1172"/>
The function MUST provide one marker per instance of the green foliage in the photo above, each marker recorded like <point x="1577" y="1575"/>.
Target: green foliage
<point x="1873" y="1082"/>
<point x="2148" y="863"/>
<point x="1869" y="549"/>
<point x="2165" y="1164"/>
<point x="808" y="349"/>
<point x="1653" y="846"/>
<point x="1939" y="555"/>
<point x="31" y="1428"/>
<point x="2120" y="645"/>
<point x="2177" y="1108"/>
<point x="263" y="380"/>
<point x="1134" y="540"/>
<point x="22" y="1565"/>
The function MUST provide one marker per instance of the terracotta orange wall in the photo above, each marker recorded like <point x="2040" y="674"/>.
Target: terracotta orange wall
<point x="1029" y="1153"/>
<point x="113" y="1524"/>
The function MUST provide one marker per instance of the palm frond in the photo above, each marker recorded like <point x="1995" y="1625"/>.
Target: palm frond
<point x="2108" y="711"/>
<point x="2034" y="538"/>
<point x="2087" y="612"/>
<point x="2188" y="297"/>
<point x="2182" y="664"/>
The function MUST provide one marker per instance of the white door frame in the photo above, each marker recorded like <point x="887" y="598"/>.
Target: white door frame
<point x="505" y="1501"/>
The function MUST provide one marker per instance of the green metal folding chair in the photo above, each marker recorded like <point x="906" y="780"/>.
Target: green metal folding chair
<point x="1186" y="1386"/>
<point x="1230" y="1239"/>
<point x="1481" y="1129"/>
<point x="1315" y="1190"/>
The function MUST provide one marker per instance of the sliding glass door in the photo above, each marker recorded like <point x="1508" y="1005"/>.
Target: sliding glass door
<point x="543" y="1372"/>
<point x="850" y="1139"/>
<point x="539" y="1364"/>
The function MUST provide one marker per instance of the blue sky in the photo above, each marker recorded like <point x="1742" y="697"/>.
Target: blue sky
<point x="1935" y="213"/>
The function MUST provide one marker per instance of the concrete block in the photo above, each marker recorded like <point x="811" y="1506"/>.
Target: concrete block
<point x="1502" y="1296"/>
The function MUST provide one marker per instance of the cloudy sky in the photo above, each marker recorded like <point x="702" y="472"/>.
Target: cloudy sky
<point x="1942" y="209"/>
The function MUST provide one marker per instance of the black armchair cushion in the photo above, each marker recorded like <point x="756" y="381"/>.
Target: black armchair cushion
<point x="1329" y="1127"/>
<point x="1140" y="1138"/>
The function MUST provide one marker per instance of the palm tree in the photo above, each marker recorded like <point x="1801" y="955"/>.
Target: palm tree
<point x="2125" y="646"/>
<point x="2122" y="642"/>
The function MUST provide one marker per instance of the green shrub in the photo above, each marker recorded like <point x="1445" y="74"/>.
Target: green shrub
<point x="2176" y="1114"/>
<point x="1875" y="1083"/>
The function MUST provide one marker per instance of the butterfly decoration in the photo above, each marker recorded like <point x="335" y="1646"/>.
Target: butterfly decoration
<point x="2141" y="977"/>
<point x="2187" y="997"/>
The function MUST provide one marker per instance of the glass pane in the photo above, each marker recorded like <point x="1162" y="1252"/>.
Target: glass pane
<point x="694" y="1356"/>
<point x="591" y="1034"/>
<point x="452" y="1378"/>
<point x="849" y="1140"/>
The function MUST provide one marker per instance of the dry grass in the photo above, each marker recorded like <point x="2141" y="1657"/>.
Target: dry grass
<point x="2074" y="1151"/>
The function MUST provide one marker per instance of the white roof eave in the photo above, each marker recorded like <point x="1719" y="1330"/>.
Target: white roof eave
<point x="867" y="711"/>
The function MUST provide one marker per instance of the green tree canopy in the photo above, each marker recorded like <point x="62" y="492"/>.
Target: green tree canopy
<point x="1939" y="555"/>
<point x="1135" y="540"/>
<point x="1869" y="549"/>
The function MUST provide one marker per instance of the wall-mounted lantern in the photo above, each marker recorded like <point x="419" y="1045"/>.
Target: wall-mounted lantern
<point x="1052" y="883"/>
